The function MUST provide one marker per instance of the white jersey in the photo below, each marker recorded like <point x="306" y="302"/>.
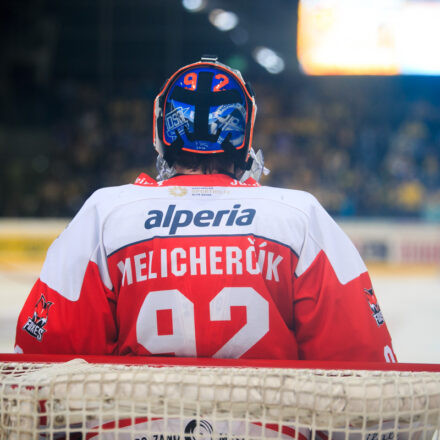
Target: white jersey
<point x="204" y="266"/>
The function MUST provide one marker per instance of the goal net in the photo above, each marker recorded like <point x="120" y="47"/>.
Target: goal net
<point x="84" y="399"/>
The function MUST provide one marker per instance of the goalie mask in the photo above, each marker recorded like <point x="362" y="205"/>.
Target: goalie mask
<point x="205" y="108"/>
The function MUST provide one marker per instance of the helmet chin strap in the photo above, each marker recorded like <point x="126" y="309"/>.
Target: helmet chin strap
<point x="257" y="168"/>
<point x="164" y="170"/>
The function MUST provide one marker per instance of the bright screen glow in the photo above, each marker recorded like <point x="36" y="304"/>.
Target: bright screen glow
<point x="369" y="37"/>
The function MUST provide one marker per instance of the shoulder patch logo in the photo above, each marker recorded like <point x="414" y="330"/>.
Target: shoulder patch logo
<point x="35" y="324"/>
<point x="374" y="306"/>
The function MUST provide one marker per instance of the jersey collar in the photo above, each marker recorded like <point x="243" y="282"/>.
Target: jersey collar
<point x="195" y="180"/>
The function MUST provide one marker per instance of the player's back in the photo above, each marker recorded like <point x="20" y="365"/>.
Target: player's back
<point x="203" y="271"/>
<point x="205" y="266"/>
<point x="202" y="266"/>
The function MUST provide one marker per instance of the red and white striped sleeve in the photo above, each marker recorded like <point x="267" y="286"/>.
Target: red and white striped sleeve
<point x="71" y="307"/>
<point x="337" y="315"/>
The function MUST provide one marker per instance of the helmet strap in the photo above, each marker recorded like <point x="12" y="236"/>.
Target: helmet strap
<point x="256" y="167"/>
<point x="163" y="169"/>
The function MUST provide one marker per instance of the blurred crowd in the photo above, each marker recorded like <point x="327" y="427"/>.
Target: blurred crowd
<point x="76" y="115"/>
<point x="364" y="147"/>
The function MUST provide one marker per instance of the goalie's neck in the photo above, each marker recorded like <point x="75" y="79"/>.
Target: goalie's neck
<point x="180" y="170"/>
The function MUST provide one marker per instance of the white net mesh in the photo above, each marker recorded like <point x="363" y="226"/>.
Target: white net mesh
<point x="79" y="400"/>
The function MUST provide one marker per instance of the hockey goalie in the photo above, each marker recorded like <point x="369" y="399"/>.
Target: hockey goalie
<point x="204" y="261"/>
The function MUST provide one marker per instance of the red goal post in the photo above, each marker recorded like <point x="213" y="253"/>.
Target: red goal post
<point x="158" y="398"/>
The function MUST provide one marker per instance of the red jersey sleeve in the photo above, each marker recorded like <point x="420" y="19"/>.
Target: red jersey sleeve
<point x="337" y="315"/>
<point x="71" y="307"/>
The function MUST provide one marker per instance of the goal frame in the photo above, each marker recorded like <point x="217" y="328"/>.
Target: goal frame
<point x="165" y="398"/>
<point x="214" y="362"/>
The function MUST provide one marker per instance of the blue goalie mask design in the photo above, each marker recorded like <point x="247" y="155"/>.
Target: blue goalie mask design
<point x="206" y="108"/>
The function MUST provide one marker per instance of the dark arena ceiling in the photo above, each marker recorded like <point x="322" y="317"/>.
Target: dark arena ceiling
<point x="128" y="39"/>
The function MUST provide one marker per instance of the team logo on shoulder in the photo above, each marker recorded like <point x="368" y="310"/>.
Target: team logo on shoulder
<point x="35" y="325"/>
<point x="374" y="306"/>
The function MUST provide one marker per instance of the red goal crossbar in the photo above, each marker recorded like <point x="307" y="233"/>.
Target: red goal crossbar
<point x="211" y="362"/>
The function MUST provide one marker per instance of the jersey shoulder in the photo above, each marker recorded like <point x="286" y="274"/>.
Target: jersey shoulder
<point x="323" y="234"/>
<point x="108" y="198"/>
<point x="302" y="201"/>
